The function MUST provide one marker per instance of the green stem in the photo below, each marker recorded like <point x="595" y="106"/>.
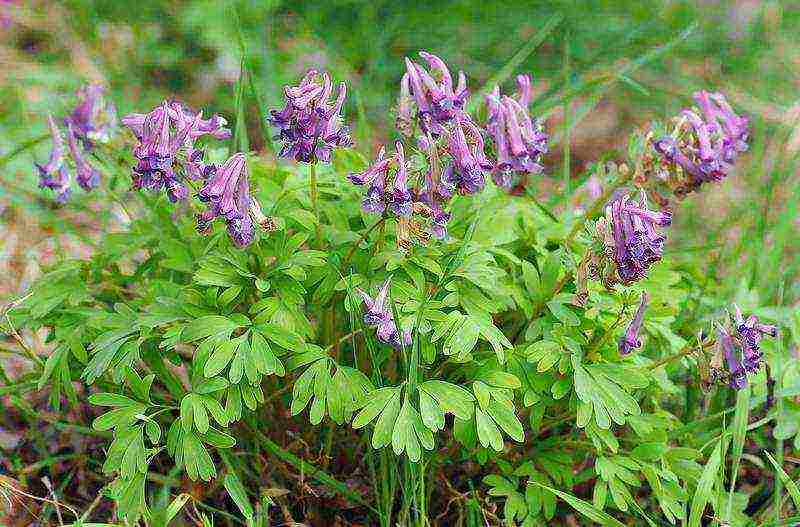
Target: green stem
<point x="314" y="194"/>
<point x="307" y="469"/>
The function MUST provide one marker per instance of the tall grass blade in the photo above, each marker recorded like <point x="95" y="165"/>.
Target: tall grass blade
<point x="705" y="486"/>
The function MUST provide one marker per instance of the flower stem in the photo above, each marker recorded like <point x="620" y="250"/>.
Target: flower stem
<point x="314" y="194"/>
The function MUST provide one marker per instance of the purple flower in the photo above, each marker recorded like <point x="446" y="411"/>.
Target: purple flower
<point x="519" y="140"/>
<point x="311" y="125"/>
<point x="630" y="340"/>
<point x="736" y="372"/>
<point x="637" y="239"/>
<point x="93" y="119"/>
<point x="706" y="143"/>
<point x="227" y="192"/>
<point x="750" y="333"/>
<point x="166" y="151"/>
<point x="400" y="198"/>
<point x="54" y="174"/>
<point x="86" y="175"/>
<point x="466" y="172"/>
<point x="436" y="99"/>
<point x="378" y="315"/>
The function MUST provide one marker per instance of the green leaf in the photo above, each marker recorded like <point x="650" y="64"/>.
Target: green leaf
<point x="209" y="326"/>
<point x="220" y="357"/>
<point x="384" y="426"/>
<point x="374" y="405"/>
<point x="507" y="420"/>
<point x="583" y="507"/>
<point x="451" y="398"/>
<point x="705" y="485"/>
<point x="791" y="486"/>
<point x="238" y="494"/>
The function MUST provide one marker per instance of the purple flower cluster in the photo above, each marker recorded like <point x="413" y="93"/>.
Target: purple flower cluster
<point x="705" y="145"/>
<point x="432" y="94"/>
<point x="311" y="125"/>
<point x="519" y="140"/>
<point x="630" y="340"/>
<point x="635" y="235"/>
<point x="166" y="151"/>
<point x="379" y="315"/>
<point x="227" y="193"/>
<point x="92" y="121"/>
<point x="741" y="348"/>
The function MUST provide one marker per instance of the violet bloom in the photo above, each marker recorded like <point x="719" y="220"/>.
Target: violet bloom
<point x="519" y="140"/>
<point x="465" y="173"/>
<point x="85" y="174"/>
<point x="94" y="118"/>
<point x="630" y="340"/>
<point x="166" y="152"/>
<point x="707" y="142"/>
<point x="311" y="125"/>
<point x="637" y="237"/>
<point x="750" y="333"/>
<point x="227" y="193"/>
<point x="400" y="197"/>
<point x="736" y="372"/>
<point x="436" y="99"/>
<point x="374" y="177"/>
<point x="378" y="315"/>
<point x="54" y="174"/>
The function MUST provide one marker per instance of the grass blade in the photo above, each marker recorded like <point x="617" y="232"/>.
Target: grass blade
<point x="705" y="486"/>
<point x="740" y="421"/>
<point x="583" y="507"/>
<point x="791" y="486"/>
<point x="519" y="57"/>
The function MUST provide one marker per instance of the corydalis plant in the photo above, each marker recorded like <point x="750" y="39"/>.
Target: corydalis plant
<point x="430" y="99"/>
<point x="631" y="339"/>
<point x="378" y="315"/>
<point x="519" y="139"/>
<point x="166" y="150"/>
<point x="92" y="121"/>
<point x="227" y="193"/>
<point x="311" y="125"/>
<point x="739" y="347"/>
<point x="628" y="240"/>
<point x="704" y="145"/>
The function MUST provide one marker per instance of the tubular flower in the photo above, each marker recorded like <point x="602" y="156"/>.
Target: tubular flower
<point x="166" y="151"/>
<point x="378" y="315"/>
<point x="380" y="196"/>
<point x="633" y="238"/>
<point x="630" y="340"/>
<point x="311" y="125"/>
<point x="92" y="121"/>
<point x="54" y="174"/>
<point x="227" y="192"/>
<point x="737" y="375"/>
<point x="704" y="146"/>
<point x="87" y="176"/>
<point x="519" y="140"/>
<point x="465" y="173"/>
<point x="94" y="118"/>
<point x="750" y="332"/>
<point x="436" y="99"/>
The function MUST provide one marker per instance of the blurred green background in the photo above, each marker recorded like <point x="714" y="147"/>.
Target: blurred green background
<point x="603" y="54"/>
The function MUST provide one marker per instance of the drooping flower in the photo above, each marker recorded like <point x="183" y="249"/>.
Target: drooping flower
<point x="94" y="118"/>
<point x="166" y="152"/>
<point x="436" y="99"/>
<point x="630" y="340"/>
<point x="737" y="375"/>
<point x="311" y="125"/>
<point x="519" y="140"/>
<point x="379" y="315"/>
<point x="86" y="175"/>
<point x="465" y="173"/>
<point x="750" y="332"/>
<point x="54" y="174"/>
<point x="636" y="240"/>
<point x="227" y="192"/>
<point x="704" y="146"/>
<point x="92" y="121"/>
<point x="382" y="195"/>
